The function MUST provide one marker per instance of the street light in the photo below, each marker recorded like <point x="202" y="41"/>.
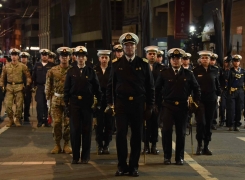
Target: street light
<point x="192" y="29"/>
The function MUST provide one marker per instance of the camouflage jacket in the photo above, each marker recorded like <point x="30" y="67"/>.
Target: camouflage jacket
<point x="55" y="80"/>
<point x="13" y="76"/>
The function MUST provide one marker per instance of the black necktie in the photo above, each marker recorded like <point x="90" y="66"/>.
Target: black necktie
<point x="130" y="60"/>
<point x="176" y="72"/>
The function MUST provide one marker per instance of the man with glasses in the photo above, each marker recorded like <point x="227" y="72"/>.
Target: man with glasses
<point x="12" y="76"/>
<point x="39" y="79"/>
<point x="131" y="83"/>
<point x="28" y="93"/>
<point x="81" y="85"/>
<point x="54" y="90"/>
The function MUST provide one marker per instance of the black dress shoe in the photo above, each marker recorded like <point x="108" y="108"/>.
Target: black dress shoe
<point x="221" y="124"/>
<point x="84" y="161"/>
<point x="47" y="125"/>
<point x="154" y="150"/>
<point x="134" y="173"/>
<point x="206" y="151"/>
<point x="199" y="150"/>
<point x="121" y="171"/>
<point x="74" y="162"/>
<point x="236" y="129"/>
<point x="146" y="150"/>
<point x="167" y="161"/>
<point x="39" y="124"/>
<point x="180" y="162"/>
<point x="100" y="150"/>
<point x="213" y="127"/>
<point x="106" y="150"/>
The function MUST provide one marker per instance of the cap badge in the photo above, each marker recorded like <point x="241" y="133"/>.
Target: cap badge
<point x="64" y="50"/>
<point x="236" y="57"/>
<point x="128" y="36"/>
<point x="176" y="51"/>
<point x="80" y="50"/>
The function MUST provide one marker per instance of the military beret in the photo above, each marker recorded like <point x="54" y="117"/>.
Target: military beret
<point x="128" y="37"/>
<point x="151" y="48"/>
<point x="176" y="52"/>
<point x="64" y="51"/>
<point x="118" y="47"/>
<point x="103" y="52"/>
<point x="236" y="57"/>
<point x="24" y="54"/>
<point x="204" y="53"/>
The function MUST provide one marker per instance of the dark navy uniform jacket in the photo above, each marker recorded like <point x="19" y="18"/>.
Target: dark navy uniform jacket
<point x="236" y="79"/>
<point x="157" y="68"/>
<point x="85" y="84"/>
<point x="177" y="87"/>
<point x="131" y="79"/>
<point x="39" y="73"/>
<point x="208" y="81"/>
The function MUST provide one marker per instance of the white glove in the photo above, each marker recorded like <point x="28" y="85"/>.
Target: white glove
<point x="48" y="103"/>
<point x="218" y="100"/>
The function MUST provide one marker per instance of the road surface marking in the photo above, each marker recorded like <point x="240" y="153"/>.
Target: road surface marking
<point x="3" y="129"/>
<point x="241" y="138"/>
<point x="197" y="167"/>
<point x="28" y="163"/>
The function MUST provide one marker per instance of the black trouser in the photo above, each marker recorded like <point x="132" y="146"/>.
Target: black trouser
<point x="151" y="132"/>
<point x="223" y="105"/>
<point x="215" y="114"/>
<point x="80" y="124"/>
<point x="170" y="115"/>
<point x="204" y="118"/>
<point x="42" y="109"/>
<point x="129" y="112"/>
<point x="104" y="128"/>
<point x="27" y="103"/>
<point x="234" y="107"/>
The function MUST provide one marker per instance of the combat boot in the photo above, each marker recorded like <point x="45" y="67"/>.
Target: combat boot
<point x="67" y="149"/>
<point x="57" y="148"/>
<point x="17" y="122"/>
<point x="10" y="123"/>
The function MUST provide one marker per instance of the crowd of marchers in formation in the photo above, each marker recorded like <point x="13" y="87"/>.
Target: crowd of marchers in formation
<point x="142" y="94"/>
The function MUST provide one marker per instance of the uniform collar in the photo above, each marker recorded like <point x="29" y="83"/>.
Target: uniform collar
<point x="132" y="58"/>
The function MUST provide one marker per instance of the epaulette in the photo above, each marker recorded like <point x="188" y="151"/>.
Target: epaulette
<point x="114" y="60"/>
<point x="216" y="66"/>
<point x="145" y="60"/>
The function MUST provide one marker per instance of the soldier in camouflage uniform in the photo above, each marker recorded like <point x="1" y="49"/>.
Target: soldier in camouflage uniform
<point x="54" y="90"/>
<point x="12" y="77"/>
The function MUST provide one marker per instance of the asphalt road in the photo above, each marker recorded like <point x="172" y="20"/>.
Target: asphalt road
<point x="25" y="154"/>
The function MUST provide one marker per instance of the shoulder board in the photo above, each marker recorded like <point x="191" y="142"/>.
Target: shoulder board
<point x="114" y="60"/>
<point x="188" y="70"/>
<point x="216" y="66"/>
<point x="145" y="60"/>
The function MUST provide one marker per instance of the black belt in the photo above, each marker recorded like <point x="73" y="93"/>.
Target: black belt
<point x="129" y="98"/>
<point x="175" y="102"/>
<point x="13" y="83"/>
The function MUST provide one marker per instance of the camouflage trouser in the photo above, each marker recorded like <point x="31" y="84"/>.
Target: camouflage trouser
<point x="57" y="114"/>
<point x="17" y="98"/>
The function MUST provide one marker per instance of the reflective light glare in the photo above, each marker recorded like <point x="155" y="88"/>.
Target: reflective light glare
<point x="192" y="28"/>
